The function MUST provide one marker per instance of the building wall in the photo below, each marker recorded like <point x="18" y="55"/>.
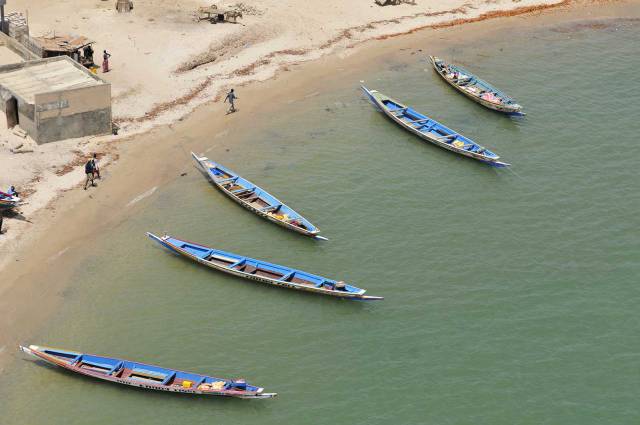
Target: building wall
<point x="73" y="113"/>
<point x="26" y="111"/>
<point x="18" y="48"/>
<point x="26" y="121"/>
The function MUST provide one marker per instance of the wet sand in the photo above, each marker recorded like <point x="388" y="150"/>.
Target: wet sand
<point x="34" y="283"/>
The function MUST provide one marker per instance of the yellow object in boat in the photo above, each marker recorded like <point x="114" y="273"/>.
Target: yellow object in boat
<point x="458" y="144"/>
<point x="187" y="384"/>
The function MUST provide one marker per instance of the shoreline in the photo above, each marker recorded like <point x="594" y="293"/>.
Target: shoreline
<point x="63" y="234"/>
<point x="327" y="48"/>
<point x="37" y="171"/>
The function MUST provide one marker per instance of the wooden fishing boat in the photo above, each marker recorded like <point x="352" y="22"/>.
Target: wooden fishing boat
<point x="8" y="201"/>
<point x="255" y="199"/>
<point x="261" y="271"/>
<point x="474" y="88"/>
<point x="431" y="130"/>
<point x="143" y="375"/>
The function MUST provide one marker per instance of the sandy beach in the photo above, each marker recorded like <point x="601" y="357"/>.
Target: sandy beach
<point x="165" y="63"/>
<point x="167" y="91"/>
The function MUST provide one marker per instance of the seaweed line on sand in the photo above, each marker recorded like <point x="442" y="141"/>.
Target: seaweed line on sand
<point x="343" y="35"/>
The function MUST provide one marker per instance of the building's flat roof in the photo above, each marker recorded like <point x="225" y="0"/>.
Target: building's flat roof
<point x="8" y="56"/>
<point x="62" y="43"/>
<point x="45" y="76"/>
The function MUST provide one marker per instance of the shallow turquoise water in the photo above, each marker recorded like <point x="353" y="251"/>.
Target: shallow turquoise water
<point x="511" y="295"/>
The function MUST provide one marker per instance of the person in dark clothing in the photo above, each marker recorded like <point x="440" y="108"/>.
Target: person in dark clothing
<point x="231" y="97"/>
<point x="88" y="55"/>
<point x="88" y="170"/>
<point x="1" y="219"/>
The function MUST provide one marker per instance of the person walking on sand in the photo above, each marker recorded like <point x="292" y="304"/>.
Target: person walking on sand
<point x="231" y="97"/>
<point x="96" y="169"/>
<point x="105" y="61"/>
<point x="1" y="219"/>
<point x="88" y="170"/>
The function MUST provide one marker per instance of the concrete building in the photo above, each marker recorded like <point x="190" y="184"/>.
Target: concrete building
<point x="55" y="99"/>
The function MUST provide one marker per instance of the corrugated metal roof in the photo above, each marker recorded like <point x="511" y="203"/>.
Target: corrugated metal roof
<point x="47" y="76"/>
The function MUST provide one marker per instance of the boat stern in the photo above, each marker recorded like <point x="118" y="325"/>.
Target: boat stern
<point x="257" y="395"/>
<point x="370" y="298"/>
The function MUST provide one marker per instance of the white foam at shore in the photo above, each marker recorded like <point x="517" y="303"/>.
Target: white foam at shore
<point x="142" y="196"/>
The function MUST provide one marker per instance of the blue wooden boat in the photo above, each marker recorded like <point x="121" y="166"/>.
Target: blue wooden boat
<point x="474" y="88"/>
<point x="8" y="201"/>
<point x="261" y="271"/>
<point x="144" y="375"/>
<point x="255" y="199"/>
<point x="431" y="130"/>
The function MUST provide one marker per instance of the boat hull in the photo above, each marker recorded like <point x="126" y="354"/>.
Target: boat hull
<point x="40" y="353"/>
<point x="202" y="163"/>
<point x="7" y="203"/>
<point x="165" y="242"/>
<point x="375" y="98"/>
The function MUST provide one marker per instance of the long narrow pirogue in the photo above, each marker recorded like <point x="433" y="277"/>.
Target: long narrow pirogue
<point x="8" y="201"/>
<point x="474" y="88"/>
<point x="255" y="199"/>
<point x="143" y="375"/>
<point x="431" y="130"/>
<point x="261" y="271"/>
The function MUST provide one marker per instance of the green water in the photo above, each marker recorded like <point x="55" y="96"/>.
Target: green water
<point x="511" y="295"/>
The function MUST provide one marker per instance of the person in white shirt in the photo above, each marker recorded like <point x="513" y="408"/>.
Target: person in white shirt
<point x="96" y="169"/>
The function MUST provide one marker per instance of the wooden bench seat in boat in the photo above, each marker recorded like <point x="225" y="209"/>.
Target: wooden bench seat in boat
<point x="229" y="180"/>
<point x="242" y="191"/>
<point x="271" y="208"/>
<point x="286" y="277"/>
<point x="420" y="121"/>
<point x="98" y="367"/>
<point x="148" y="375"/>
<point x="117" y="368"/>
<point x="220" y="259"/>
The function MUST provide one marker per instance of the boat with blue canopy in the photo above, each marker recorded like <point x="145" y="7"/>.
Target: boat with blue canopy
<point x="474" y="88"/>
<point x="261" y="271"/>
<point x="431" y="130"/>
<point x="255" y="199"/>
<point x="143" y="375"/>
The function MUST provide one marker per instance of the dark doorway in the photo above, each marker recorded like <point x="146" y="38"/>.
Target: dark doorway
<point x="12" y="112"/>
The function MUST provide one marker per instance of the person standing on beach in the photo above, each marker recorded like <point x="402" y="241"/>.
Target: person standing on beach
<point x="105" y="61"/>
<point x="96" y="169"/>
<point x="88" y="170"/>
<point x="1" y="219"/>
<point x="231" y="97"/>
